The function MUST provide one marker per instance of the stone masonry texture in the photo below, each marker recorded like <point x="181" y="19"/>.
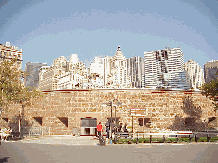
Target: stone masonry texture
<point x="173" y="110"/>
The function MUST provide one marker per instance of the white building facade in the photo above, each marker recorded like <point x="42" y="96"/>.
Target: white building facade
<point x="135" y="70"/>
<point x="195" y="74"/>
<point x="64" y="74"/>
<point x="165" y="69"/>
<point x="118" y="71"/>
<point x="109" y="72"/>
<point x="8" y="51"/>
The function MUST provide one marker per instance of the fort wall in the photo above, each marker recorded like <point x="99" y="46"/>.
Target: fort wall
<point x="61" y="111"/>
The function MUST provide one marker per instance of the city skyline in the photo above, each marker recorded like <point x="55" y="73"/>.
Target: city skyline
<point x="97" y="28"/>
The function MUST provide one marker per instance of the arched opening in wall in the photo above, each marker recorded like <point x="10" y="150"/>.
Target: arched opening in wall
<point x="5" y="119"/>
<point x="38" y="119"/>
<point x="64" y="120"/>
<point x="88" y="126"/>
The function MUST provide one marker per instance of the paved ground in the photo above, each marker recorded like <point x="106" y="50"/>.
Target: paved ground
<point x="64" y="140"/>
<point x="85" y="149"/>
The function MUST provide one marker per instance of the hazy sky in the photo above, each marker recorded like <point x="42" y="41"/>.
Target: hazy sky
<point x="47" y="29"/>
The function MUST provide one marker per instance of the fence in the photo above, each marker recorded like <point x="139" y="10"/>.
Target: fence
<point x="36" y="131"/>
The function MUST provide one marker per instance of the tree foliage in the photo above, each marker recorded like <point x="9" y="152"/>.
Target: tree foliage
<point x="211" y="90"/>
<point x="11" y="86"/>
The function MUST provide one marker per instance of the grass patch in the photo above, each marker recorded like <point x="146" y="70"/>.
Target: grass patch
<point x="171" y="140"/>
<point x="214" y="139"/>
<point x="184" y="140"/>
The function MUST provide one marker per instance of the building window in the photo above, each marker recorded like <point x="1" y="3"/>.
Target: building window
<point x="147" y="122"/>
<point x="5" y="119"/>
<point x="64" y="120"/>
<point x="38" y="119"/>
<point x="211" y="119"/>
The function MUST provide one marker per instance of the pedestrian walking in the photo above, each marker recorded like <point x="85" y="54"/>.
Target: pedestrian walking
<point x="125" y="128"/>
<point x="107" y="129"/>
<point x="120" y="128"/>
<point x="113" y="127"/>
<point x="99" y="129"/>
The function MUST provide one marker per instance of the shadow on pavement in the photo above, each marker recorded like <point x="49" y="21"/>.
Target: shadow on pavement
<point x="5" y="159"/>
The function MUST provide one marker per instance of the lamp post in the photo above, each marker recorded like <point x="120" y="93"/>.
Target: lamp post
<point x="112" y="103"/>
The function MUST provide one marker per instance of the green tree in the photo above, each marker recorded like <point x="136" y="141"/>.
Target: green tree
<point x="11" y="86"/>
<point x="211" y="90"/>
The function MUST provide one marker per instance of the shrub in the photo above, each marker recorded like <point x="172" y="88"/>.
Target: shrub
<point x="214" y="139"/>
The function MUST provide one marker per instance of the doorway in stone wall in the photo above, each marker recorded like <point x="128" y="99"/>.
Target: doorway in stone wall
<point x="88" y="126"/>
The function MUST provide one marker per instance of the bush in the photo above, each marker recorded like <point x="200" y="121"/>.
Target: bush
<point x="214" y="139"/>
<point x="171" y="139"/>
<point x="147" y="140"/>
<point x="184" y="140"/>
<point x="202" y="139"/>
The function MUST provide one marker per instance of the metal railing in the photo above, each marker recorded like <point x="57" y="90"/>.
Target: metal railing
<point x="38" y="131"/>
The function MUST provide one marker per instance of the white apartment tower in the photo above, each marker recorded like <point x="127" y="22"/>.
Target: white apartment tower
<point x="109" y="72"/>
<point x="118" y="71"/>
<point x="64" y="74"/>
<point x="97" y="73"/>
<point x="195" y="74"/>
<point x="135" y="70"/>
<point x="165" y="69"/>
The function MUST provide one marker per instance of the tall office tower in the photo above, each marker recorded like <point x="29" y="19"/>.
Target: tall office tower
<point x="8" y="51"/>
<point x="211" y="71"/>
<point x="195" y="74"/>
<point x="32" y="74"/>
<point x="135" y="69"/>
<point x="118" y="71"/>
<point x="97" y="73"/>
<point x="48" y="79"/>
<point x="64" y="74"/>
<point x="165" y="69"/>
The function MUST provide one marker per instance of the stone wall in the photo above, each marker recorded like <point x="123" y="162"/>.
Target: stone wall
<point x="175" y="110"/>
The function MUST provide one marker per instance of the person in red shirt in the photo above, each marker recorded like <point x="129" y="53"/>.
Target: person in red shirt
<point x="99" y="129"/>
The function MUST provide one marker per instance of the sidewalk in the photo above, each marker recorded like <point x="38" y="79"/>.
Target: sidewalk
<point x="65" y="140"/>
<point x="90" y="141"/>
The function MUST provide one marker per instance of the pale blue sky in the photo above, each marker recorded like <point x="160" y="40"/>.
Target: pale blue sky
<point x="47" y="29"/>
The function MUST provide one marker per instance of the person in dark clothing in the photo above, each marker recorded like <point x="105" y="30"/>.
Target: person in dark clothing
<point x="107" y="129"/>
<point x="113" y="127"/>
<point x="120" y="128"/>
<point x="125" y="128"/>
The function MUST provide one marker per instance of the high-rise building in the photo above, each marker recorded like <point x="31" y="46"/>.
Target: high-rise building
<point x="8" y="52"/>
<point x="109" y="72"/>
<point x="195" y="74"/>
<point x="165" y="69"/>
<point x="97" y="73"/>
<point x="32" y="74"/>
<point x="135" y="70"/>
<point x="211" y="70"/>
<point x="118" y="71"/>
<point x="64" y="74"/>
<point x="49" y="75"/>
